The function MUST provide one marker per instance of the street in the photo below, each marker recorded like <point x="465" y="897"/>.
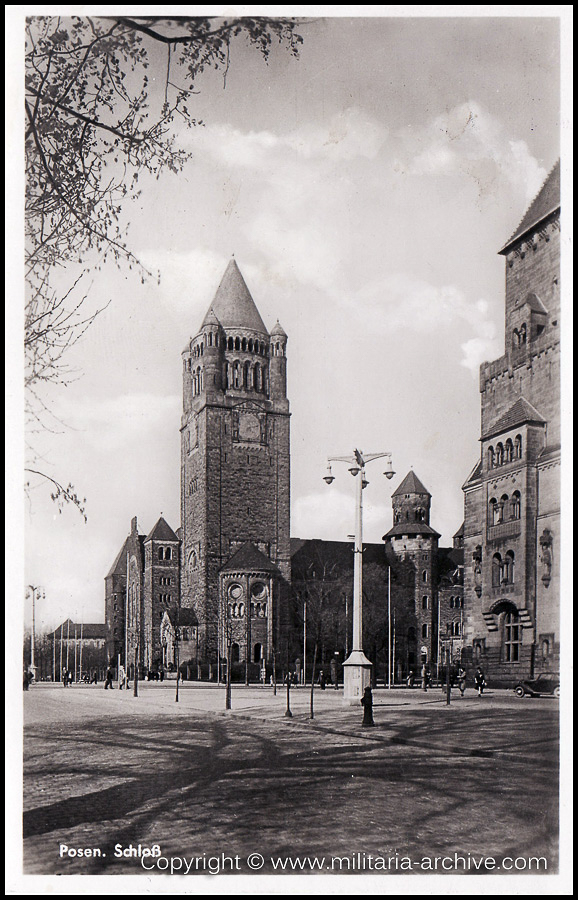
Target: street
<point x="103" y="768"/>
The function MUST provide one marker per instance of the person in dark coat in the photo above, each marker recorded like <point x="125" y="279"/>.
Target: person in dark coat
<point x="367" y="703"/>
<point x="480" y="680"/>
<point x="322" y="681"/>
<point x="108" y="683"/>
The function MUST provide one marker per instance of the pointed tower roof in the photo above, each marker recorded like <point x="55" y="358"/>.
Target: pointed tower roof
<point x="546" y="201"/>
<point x="249" y="557"/>
<point x="278" y="329"/>
<point x="161" y="532"/>
<point x="119" y="565"/>
<point x="210" y="318"/>
<point x="411" y="485"/>
<point x="233" y="305"/>
<point x="521" y="413"/>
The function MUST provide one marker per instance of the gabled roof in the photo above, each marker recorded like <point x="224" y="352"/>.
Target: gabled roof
<point x="181" y="616"/>
<point x="233" y="305"/>
<point x="89" y="631"/>
<point x="411" y="528"/>
<point x="546" y="201"/>
<point x="535" y="304"/>
<point x="474" y="475"/>
<point x="161" y="532"/>
<point x="520" y="413"/>
<point x="119" y="565"/>
<point x="411" y="485"/>
<point x="249" y="558"/>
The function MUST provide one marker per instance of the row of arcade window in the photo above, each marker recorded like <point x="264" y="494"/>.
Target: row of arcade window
<point x="505" y="453"/>
<point x="503" y="569"/>
<point x="258" y="610"/>
<point x="245" y="377"/>
<point x="167" y="553"/>
<point x="456" y="602"/>
<point x="505" y="509"/>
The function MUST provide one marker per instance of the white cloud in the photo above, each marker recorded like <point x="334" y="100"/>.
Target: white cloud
<point x="468" y="140"/>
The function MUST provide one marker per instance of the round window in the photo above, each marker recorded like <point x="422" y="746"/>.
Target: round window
<point x="235" y="591"/>
<point x="258" y="590"/>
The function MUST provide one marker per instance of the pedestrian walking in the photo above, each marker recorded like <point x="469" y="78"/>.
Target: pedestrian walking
<point x="424" y="677"/>
<point x="64" y="677"/>
<point x="322" y="681"/>
<point x="462" y="680"/>
<point x="121" y="678"/>
<point x="94" y="679"/>
<point x="26" y="680"/>
<point x="410" y="679"/>
<point x="108" y="682"/>
<point x="367" y="703"/>
<point x="480" y="680"/>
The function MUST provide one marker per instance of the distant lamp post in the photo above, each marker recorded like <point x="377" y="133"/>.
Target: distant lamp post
<point x="357" y="668"/>
<point x="177" y="639"/>
<point x="34" y="589"/>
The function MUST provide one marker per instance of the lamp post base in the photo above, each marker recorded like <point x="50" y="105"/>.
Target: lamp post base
<point x="356" y="677"/>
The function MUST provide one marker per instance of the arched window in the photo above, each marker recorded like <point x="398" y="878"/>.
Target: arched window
<point x="496" y="570"/>
<point x="250" y="345"/>
<point x="424" y="575"/>
<point x="236" y="374"/>
<point x="425" y="602"/>
<point x="499" y="454"/>
<point x="515" y="338"/>
<point x="546" y="648"/>
<point x="490" y="457"/>
<point x="503" y="506"/>
<point x="509" y="450"/>
<point x="246" y="376"/>
<point x="237" y="343"/>
<point x="235" y="653"/>
<point x="425" y="630"/>
<point x="518" y="446"/>
<point x="512" y="637"/>
<point x="161" y="553"/>
<point x="244" y="344"/>
<point x="508" y="573"/>
<point x="257" y="653"/>
<point x="523" y="334"/>
<point x="493" y="509"/>
<point x="257" y="377"/>
<point x="516" y="505"/>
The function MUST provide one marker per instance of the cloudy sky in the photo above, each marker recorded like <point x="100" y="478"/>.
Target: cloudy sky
<point x="364" y="190"/>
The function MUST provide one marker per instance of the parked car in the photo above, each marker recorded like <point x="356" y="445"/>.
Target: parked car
<point x="546" y="683"/>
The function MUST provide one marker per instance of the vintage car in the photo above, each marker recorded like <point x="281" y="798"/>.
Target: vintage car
<point x="546" y="683"/>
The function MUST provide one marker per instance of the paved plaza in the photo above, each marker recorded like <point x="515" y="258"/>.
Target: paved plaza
<point x="106" y="768"/>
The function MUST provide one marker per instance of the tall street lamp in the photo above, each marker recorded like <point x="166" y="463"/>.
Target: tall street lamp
<point x="33" y="589"/>
<point x="357" y="668"/>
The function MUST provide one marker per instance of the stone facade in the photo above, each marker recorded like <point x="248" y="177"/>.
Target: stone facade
<point x="431" y="575"/>
<point x="234" y="462"/>
<point x="512" y="496"/>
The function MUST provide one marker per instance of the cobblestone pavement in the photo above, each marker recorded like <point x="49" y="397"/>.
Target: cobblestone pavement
<point x="106" y="768"/>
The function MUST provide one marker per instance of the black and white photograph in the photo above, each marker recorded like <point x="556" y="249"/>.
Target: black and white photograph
<point x="288" y="559"/>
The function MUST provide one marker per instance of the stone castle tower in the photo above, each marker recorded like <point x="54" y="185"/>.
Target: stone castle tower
<point x="512" y="496"/>
<point x="413" y="540"/>
<point x="235" y="476"/>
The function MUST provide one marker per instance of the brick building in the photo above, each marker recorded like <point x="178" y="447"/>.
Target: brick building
<point x="512" y="496"/>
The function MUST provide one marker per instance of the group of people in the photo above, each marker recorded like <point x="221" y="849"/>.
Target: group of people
<point x="459" y="678"/>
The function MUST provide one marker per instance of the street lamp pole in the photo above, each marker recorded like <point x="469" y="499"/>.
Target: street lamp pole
<point x="357" y="668"/>
<point x="33" y="588"/>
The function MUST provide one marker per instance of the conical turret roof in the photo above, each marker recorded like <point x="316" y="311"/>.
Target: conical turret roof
<point x="233" y="305"/>
<point x="162" y="531"/>
<point x="411" y="485"/>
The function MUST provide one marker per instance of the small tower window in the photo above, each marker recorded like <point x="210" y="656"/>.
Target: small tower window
<point x="509" y="451"/>
<point x="425" y="630"/>
<point x="496" y="570"/>
<point x="425" y="602"/>
<point x="500" y="454"/>
<point x="516" y="505"/>
<point x="518" y="446"/>
<point x="424" y="575"/>
<point x="490" y="457"/>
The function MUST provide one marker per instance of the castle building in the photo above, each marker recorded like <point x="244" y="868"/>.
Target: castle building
<point x="512" y="496"/>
